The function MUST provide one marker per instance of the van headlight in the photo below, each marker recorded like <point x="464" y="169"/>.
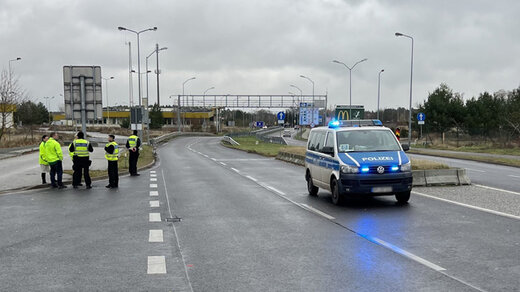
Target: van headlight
<point x="406" y="167"/>
<point x="349" y="169"/>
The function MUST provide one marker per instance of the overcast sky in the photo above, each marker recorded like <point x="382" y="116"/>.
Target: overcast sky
<point x="260" y="47"/>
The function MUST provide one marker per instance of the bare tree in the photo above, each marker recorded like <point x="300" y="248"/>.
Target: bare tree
<point x="11" y="95"/>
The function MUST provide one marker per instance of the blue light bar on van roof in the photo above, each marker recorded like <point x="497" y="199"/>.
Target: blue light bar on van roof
<point x="358" y="123"/>
<point x="334" y="124"/>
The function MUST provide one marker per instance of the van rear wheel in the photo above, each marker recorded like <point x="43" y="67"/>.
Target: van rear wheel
<point x="403" y="197"/>
<point x="311" y="188"/>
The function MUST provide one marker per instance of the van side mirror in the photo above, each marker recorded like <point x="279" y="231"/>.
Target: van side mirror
<point x="405" y="147"/>
<point x="328" y="150"/>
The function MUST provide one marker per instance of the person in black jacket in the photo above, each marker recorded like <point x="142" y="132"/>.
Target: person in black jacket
<point x="112" y="155"/>
<point x="80" y="149"/>
<point x="132" y="144"/>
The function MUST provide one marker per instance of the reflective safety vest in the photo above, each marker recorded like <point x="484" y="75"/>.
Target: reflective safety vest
<point x="114" y="156"/>
<point x="132" y="141"/>
<point x="80" y="148"/>
<point x="42" y="154"/>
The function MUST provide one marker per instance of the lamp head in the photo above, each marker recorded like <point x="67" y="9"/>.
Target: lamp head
<point x="398" y="34"/>
<point x="364" y="60"/>
<point x="112" y="77"/>
<point x="382" y="70"/>
<point x="154" y="28"/>
<point x="121" y="28"/>
<point x="18" y="58"/>
<point x="336" y="61"/>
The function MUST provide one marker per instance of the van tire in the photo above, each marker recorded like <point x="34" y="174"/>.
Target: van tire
<point x="402" y="198"/>
<point x="337" y="197"/>
<point x="311" y="188"/>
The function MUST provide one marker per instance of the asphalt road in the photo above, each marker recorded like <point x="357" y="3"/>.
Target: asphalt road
<point x="492" y="175"/>
<point x="247" y="224"/>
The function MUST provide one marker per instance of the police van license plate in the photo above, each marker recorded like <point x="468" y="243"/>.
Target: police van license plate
<point x="382" y="190"/>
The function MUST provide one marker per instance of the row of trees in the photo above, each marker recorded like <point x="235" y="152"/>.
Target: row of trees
<point x="490" y="116"/>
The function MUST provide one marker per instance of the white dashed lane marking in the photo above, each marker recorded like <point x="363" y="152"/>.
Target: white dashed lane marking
<point x="154" y="204"/>
<point x="152" y="171"/>
<point x="156" y="265"/>
<point x="156" y="235"/>
<point x="153" y="179"/>
<point x="153" y="175"/>
<point x="235" y="170"/>
<point x="251" y="178"/>
<point x="154" y="193"/>
<point x="153" y="186"/>
<point x="155" y="217"/>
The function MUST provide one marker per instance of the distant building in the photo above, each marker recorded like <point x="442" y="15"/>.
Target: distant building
<point x="7" y="115"/>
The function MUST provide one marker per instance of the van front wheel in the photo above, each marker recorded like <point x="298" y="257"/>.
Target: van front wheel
<point x="337" y="198"/>
<point x="403" y="197"/>
<point x="313" y="190"/>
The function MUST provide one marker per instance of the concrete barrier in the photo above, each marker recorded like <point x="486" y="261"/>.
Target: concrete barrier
<point x="421" y="178"/>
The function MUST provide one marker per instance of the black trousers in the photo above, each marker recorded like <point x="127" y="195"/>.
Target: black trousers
<point x="81" y="165"/>
<point x="132" y="161"/>
<point x="113" y="175"/>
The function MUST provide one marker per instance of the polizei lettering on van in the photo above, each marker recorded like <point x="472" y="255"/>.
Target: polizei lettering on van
<point x="380" y="158"/>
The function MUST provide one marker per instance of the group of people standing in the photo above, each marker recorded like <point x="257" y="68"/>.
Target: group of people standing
<point x="51" y="158"/>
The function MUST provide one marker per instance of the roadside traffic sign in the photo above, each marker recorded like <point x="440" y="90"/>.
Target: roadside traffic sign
<point x="421" y="116"/>
<point x="259" y="124"/>
<point x="281" y="116"/>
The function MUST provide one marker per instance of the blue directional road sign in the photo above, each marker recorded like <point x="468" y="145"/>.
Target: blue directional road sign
<point x="281" y="116"/>
<point x="259" y="124"/>
<point x="421" y="116"/>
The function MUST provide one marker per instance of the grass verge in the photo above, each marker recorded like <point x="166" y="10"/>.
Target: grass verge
<point x="484" y="148"/>
<point x="145" y="157"/>
<point x="249" y="144"/>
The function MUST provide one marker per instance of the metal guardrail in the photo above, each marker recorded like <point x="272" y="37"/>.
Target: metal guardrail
<point x="262" y="136"/>
<point x="229" y="140"/>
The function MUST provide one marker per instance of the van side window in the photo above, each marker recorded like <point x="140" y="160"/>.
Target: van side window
<point x="316" y="141"/>
<point x="312" y="138"/>
<point x="330" y="140"/>
<point x="320" y="137"/>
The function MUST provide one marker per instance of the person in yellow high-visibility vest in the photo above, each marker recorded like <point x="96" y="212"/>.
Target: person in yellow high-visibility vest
<point x="112" y="156"/>
<point x="79" y="150"/>
<point x="132" y="144"/>
<point x="44" y="165"/>
<point x="54" y="156"/>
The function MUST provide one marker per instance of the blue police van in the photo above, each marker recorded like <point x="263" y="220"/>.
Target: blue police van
<point x="357" y="157"/>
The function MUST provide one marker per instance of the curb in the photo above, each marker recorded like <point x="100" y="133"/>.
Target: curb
<point x="421" y="178"/>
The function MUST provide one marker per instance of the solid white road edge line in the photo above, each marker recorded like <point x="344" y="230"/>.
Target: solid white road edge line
<point x="156" y="265"/>
<point x="154" y="193"/>
<point x="154" y="204"/>
<point x="251" y="178"/>
<point x="155" y="235"/>
<point x="223" y="163"/>
<point x="312" y="209"/>
<point x="235" y="170"/>
<point x="469" y="206"/>
<point x="497" y="189"/>
<point x="155" y="217"/>
<point x="276" y="190"/>
<point x="175" y="233"/>
<point x="404" y="253"/>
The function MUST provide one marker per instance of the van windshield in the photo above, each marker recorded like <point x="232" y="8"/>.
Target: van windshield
<point x="367" y="141"/>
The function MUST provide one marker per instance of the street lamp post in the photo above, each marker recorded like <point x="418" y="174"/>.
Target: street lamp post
<point x="137" y="33"/>
<point x="379" y="91"/>
<point x="299" y="100"/>
<point x="10" y="91"/>
<point x="48" y="101"/>
<point x="155" y="51"/>
<point x="184" y="120"/>
<point x="312" y="115"/>
<point x="398" y="34"/>
<point x="350" y="81"/>
<point x="204" y="95"/>
<point x="106" y="88"/>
